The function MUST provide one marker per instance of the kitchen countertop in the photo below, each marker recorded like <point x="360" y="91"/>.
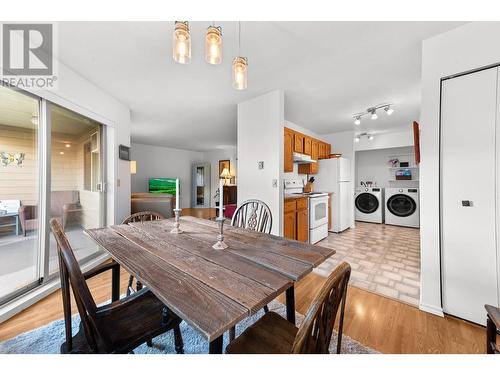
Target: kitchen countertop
<point x="289" y="197"/>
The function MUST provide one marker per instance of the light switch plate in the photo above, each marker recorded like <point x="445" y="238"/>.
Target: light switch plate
<point x="260" y="165"/>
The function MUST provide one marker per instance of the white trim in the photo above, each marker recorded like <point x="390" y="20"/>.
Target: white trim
<point x="26" y="300"/>
<point x="436" y="310"/>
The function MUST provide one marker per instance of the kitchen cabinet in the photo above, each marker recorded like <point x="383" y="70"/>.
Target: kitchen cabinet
<point x="296" y="219"/>
<point x="288" y="150"/>
<point x="303" y="144"/>
<point x="298" y="142"/>
<point x="307" y="145"/>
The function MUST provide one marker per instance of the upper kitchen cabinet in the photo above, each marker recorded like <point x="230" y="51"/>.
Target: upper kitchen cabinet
<point x="298" y="142"/>
<point x="303" y="144"/>
<point x="307" y="145"/>
<point x="288" y="150"/>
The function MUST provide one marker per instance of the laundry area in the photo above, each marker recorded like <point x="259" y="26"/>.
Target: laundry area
<point x="383" y="246"/>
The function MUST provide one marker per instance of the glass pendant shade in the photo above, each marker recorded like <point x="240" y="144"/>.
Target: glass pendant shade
<point x="182" y="43"/>
<point x="240" y="73"/>
<point x="213" y="45"/>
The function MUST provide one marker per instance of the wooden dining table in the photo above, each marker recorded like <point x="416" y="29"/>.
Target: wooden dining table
<point x="211" y="290"/>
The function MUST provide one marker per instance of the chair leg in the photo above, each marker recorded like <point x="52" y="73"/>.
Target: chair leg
<point x="129" y="285"/>
<point x="138" y="285"/>
<point x="149" y="343"/>
<point x="232" y="333"/>
<point x="179" y="343"/>
<point x="266" y="309"/>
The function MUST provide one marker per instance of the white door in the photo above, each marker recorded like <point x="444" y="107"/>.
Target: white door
<point x="468" y="169"/>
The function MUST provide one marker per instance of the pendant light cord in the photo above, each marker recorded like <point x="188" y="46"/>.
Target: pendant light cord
<point x="239" y="38"/>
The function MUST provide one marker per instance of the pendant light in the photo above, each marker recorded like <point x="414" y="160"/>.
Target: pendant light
<point x="182" y="43"/>
<point x="240" y="67"/>
<point x="213" y="45"/>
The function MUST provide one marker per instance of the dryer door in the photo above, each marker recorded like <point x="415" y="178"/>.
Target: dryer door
<point x="401" y="205"/>
<point x="367" y="203"/>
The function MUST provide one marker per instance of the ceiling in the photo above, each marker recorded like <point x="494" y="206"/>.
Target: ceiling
<point x="328" y="70"/>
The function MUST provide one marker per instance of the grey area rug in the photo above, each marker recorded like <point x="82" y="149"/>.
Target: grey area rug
<point x="47" y="339"/>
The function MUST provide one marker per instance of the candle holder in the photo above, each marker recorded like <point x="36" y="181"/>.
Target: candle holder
<point x="177" y="213"/>
<point x="220" y="244"/>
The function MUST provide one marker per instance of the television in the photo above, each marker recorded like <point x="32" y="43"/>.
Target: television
<point x="162" y="185"/>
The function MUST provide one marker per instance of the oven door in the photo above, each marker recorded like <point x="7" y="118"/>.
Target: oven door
<point x="318" y="212"/>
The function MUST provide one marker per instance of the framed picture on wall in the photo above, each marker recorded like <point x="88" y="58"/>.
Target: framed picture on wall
<point x="224" y="164"/>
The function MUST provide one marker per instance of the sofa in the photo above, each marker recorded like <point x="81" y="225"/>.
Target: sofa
<point x="64" y="205"/>
<point x="162" y="203"/>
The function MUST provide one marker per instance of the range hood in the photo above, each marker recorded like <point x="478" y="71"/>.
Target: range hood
<point x="302" y="158"/>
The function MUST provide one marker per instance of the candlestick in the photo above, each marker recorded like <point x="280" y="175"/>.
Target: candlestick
<point x="176" y="230"/>
<point x="220" y="244"/>
<point x="221" y="199"/>
<point x="177" y="194"/>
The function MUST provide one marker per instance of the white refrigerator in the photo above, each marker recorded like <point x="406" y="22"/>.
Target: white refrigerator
<point x="334" y="176"/>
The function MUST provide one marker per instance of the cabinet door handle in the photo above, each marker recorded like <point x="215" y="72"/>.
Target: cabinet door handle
<point x="467" y="203"/>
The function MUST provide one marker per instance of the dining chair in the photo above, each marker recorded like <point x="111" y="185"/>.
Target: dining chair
<point x="273" y="334"/>
<point x="252" y="214"/>
<point x="134" y="218"/>
<point x="116" y="327"/>
<point x="492" y="329"/>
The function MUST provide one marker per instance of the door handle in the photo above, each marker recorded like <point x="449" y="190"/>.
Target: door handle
<point x="467" y="203"/>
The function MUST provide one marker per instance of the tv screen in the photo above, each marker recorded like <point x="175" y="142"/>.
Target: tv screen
<point x="162" y="185"/>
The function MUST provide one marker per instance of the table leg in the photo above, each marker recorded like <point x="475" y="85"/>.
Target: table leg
<point x="290" y="304"/>
<point x="215" y="346"/>
<point x="115" y="284"/>
<point x="17" y="225"/>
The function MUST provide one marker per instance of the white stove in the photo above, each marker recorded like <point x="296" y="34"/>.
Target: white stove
<point x="318" y="209"/>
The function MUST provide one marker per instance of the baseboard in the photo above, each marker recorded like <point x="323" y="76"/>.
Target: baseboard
<point x="24" y="301"/>
<point x="431" y="309"/>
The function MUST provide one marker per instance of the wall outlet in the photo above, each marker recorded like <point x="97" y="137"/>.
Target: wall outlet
<point x="260" y="165"/>
<point x="275" y="183"/>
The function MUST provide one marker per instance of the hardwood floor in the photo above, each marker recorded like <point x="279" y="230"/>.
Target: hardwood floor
<point x="378" y="322"/>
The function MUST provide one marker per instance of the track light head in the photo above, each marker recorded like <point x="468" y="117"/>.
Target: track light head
<point x="373" y="111"/>
<point x="356" y="139"/>
<point x="357" y="120"/>
<point x="370" y="137"/>
<point x="389" y="110"/>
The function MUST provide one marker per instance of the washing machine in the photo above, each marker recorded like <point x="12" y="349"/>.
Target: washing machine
<point x="401" y="207"/>
<point x="369" y="204"/>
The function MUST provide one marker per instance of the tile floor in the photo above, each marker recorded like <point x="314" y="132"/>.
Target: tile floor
<point x="385" y="259"/>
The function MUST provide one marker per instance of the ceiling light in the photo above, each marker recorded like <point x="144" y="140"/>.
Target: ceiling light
<point x="370" y="137"/>
<point x="374" y="114"/>
<point x="240" y="67"/>
<point x="182" y="43"/>
<point x="389" y="110"/>
<point x="213" y="45"/>
<point x="356" y="139"/>
<point x="34" y="120"/>
<point x="67" y="145"/>
<point x="357" y="120"/>
<point x="61" y="153"/>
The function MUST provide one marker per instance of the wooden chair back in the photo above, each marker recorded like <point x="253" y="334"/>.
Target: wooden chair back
<point x="143" y="216"/>
<point x="315" y="332"/>
<point x="253" y="214"/>
<point x="71" y="274"/>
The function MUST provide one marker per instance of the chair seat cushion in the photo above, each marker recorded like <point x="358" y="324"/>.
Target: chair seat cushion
<point x="271" y="334"/>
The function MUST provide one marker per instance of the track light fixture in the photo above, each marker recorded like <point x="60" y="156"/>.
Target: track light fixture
<point x="372" y="111"/>
<point x="370" y="137"/>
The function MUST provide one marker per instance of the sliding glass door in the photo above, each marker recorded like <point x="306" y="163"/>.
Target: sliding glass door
<point x="19" y="193"/>
<point x="76" y="168"/>
<point x="51" y="166"/>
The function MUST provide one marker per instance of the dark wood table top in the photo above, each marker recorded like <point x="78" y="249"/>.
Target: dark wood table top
<point x="211" y="290"/>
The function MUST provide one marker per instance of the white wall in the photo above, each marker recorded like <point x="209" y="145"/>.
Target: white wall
<point x="154" y="161"/>
<point x="343" y="143"/>
<point x="399" y="137"/>
<point x="466" y="48"/>
<point x="213" y="158"/>
<point x="260" y="138"/>
<point x="372" y="165"/>
<point x="78" y="94"/>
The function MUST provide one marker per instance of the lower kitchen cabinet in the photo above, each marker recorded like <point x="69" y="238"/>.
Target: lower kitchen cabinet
<point x="296" y="219"/>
